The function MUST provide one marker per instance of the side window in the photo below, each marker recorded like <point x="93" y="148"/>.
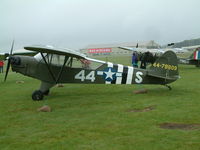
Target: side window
<point x="72" y="62"/>
<point x="57" y="59"/>
<point x="85" y="64"/>
<point x="54" y="59"/>
<point x="76" y="63"/>
<point x="94" y="65"/>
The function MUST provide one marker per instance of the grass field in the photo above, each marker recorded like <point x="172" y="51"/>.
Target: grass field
<point x="99" y="117"/>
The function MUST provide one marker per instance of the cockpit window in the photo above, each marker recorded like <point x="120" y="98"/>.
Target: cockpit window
<point x="72" y="62"/>
<point x="56" y="59"/>
<point x="51" y="58"/>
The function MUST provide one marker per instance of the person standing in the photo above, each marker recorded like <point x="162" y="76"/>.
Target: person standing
<point x="1" y="66"/>
<point x="143" y="60"/>
<point x="134" y="60"/>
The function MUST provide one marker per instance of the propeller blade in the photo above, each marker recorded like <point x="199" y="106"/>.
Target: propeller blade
<point x="8" y="64"/>
<point x="7" y="69"/>
<point x="11" y="51"/>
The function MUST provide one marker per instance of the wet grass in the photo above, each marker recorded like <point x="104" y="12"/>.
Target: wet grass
<point x="98" y="116"/>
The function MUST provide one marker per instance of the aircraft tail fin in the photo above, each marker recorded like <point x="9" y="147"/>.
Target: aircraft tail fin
<point x="195" y="55"/>
<point x="166" y="66"/>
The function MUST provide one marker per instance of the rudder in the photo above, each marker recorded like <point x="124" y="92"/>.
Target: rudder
<point x="166" y="66"/>
<point x="195" y="55"/>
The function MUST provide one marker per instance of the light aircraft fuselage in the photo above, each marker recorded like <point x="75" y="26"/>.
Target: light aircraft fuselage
<point x="52" y="66"/>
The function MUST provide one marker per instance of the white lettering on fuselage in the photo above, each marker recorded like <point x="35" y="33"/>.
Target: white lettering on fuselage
<point x="138" y="78"/>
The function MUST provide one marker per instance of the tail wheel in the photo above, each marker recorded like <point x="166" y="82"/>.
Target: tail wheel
<point x="168" y="86"/>
<point x="37" y="95"/>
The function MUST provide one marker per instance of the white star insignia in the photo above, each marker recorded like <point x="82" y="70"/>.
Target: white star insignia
<point x="109" y="74"/>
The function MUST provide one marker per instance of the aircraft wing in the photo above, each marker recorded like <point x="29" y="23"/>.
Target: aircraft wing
<point x="143" y="50"/>
<point x="161" y="51"/>
<point x="53" y="50"/>
<point x="24" y="52"/>
<point x="3" y="56"/>
<point x="128" y="48"/>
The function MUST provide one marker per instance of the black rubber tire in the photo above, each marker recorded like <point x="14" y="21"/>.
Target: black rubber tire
<point x="37" y="95"/>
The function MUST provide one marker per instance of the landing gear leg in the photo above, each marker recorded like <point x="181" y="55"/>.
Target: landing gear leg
<point x="168" y="86"/>
<point x="46" y="93"/>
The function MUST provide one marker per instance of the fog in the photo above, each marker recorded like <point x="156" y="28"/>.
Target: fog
<point x="78" y="23"/>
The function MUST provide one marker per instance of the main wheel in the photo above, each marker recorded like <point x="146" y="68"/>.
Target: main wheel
<point x="37" y="95"/>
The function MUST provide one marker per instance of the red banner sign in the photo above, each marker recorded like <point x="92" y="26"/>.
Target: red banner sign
<point x="100" y="50"/>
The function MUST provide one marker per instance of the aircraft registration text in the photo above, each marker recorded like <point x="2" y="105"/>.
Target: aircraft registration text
<point x="165" y="66"/>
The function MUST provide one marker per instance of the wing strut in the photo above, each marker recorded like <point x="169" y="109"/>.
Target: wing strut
<point x="48" y="61"/>
<point x="48" y="67"/>
<point x="61" y="70"/>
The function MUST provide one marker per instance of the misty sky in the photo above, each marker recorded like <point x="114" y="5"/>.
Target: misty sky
<point x="78" y="23"/>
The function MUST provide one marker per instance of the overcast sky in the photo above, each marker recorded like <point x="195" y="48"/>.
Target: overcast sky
<point x="78" y="23"/>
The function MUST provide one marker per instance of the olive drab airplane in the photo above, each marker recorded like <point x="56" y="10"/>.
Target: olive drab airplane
<point x="143" y="50"/>
<point x="53" y="65"/>
<point x="157" y="51"/>
<point x="194" y="59"/>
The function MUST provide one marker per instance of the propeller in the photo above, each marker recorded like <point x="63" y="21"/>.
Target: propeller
<point x="137" y="45"/>
<point x="8" y="64"/>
